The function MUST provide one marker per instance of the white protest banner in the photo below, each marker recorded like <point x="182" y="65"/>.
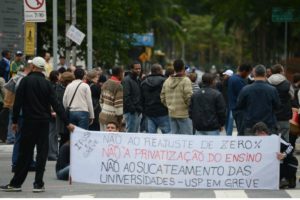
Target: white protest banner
<point x="75" y="35"/>
<point x="175" y="161"/>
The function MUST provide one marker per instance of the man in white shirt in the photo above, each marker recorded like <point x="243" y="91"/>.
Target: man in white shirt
<point x="81" y="106"/>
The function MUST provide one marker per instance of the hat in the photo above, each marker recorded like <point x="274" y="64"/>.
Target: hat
<point x="228" y="72"/>
<point x="39" y="62"/>
<point x="29" y="61"/>
<point x="19" y="53"/>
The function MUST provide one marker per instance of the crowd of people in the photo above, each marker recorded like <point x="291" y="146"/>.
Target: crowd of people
<point x="41" y="105"/>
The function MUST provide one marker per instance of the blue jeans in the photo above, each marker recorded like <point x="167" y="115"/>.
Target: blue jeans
<point x="16" y="148"/>
<point x="10" y="135"/>
<point x="132" y="122"/>
<point x="162" y="122"/>
<point x="63" y="174"/>
<point x="229" y="123"/>
<point x="80" y="119"/>
<point x="216" y="132"/>
<point x="181" y="126"/>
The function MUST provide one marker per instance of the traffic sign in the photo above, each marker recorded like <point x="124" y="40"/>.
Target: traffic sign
<point x="35" y="10"/>
<point x="30" y="30"/>
<point x="75" y="35"/>
<point x="284" y="15"/>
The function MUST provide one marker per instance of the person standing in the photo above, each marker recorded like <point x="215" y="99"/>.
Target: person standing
<point x="176" y="95"/>
<point x="132" y="98"/>
<point x="78" y="99"/>
<point x="5" y="65"/>
<point x="258" y="102"/>
<point x="235" y="84"/>
<point x="111" y="99"/>
<point x="48" y="66"/>
<point x="156" y="113"/>
<point x="16" y="64"/>
<point x="62" y="63"/>
<point x="286" y="94"/>
<point x="207" y="109"/>
<point x="34" y="97"/>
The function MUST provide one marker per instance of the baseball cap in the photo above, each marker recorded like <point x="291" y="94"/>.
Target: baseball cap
<point x="19" y="53"/>
<point x="39" y="62"/>
<point x="228" y="72"/>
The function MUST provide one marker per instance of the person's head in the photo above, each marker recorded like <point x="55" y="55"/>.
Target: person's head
<point x="117" y="72"/>
<point x="98" y="70"/>
<point x="268" y="72"/>
<point x="208" y="79"/>
<point x="135" y="68"/>
<point x="260" y="129"/>
<point x="193" y="77"/>
<point x="61" y="70"/>
<point x="92" y="76"/>
<point x="62" y="60"/>
<point x="79" y="73"/>
<point x="18" y="56"/>
<point x="259" y="71"/>
<point x="6" y="54"/>
<point x="169" y="71"/>
<point x="67" y="78"/>
<point x="38" y="64"/>
<point x="178" y="66"/>
<point x="47" y="56"/>
<point x="277" y="69"/>
<point x="227" y="74"/>
<point x="244" y="70"/>
<point x="296" y="78"/>
<point x="112" y="127"/>
<point x="54" y="76"/>
<point x="156" y="69"/>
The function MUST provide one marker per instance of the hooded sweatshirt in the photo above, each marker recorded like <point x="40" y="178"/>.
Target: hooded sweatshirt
<point x="286" y="93"/>
<point x="151" y="89"/>
<point x="176" y="95"/>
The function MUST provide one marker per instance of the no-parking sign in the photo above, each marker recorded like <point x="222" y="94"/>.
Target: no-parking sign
<point x="35" y="10"/>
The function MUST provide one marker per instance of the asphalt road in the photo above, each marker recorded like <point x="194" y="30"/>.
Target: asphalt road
<point x="58" y="189"/>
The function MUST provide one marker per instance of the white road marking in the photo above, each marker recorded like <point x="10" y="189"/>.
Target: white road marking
<point x="294" y="193"/>
<point x="230" y="194"/>
<point x="80" y="196"/>
<point x="154" y="195"/>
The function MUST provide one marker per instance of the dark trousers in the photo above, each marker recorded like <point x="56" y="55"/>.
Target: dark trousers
<point x="238" y="118"/>
<point x="33" y="133"/>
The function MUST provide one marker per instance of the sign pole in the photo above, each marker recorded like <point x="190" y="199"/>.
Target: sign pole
<point x="74" y="24"/>
<point x="68" y="42"/>
<point x="55" y="47"/>
<point x="89" y="35"/>
<point x="285" y="42"/>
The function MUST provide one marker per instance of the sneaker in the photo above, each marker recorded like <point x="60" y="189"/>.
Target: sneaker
<point x="37" y="188"/>
<point x="9" y="188"/>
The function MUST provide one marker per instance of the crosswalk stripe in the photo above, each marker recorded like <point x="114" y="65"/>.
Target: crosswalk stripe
<point x="154" y="195"/>
<point x="80" y="196"/>
<point x="230" y="194"/>
<point x="293" y="193"/>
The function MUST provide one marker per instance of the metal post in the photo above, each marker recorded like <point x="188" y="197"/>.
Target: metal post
<point x="68" y="19"/>
<point x="89" y="35"/>
<point x="285" y="43"/>
<point x="55" y="47"/>
<point x="74" y="24"/>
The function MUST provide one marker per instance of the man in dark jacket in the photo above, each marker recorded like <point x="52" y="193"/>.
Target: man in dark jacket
<point x="34" y="97"/>
<point x="132" y="98"/>
<point x="286" y="94"/>
<point x="258" y="102"/>
<point x="207" y="109"/>
<point x="5" y="65"/>
<point x="156" y="112"/>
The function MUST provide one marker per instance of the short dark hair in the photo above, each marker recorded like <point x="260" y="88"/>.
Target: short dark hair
<point x="178" y="65"/>
<point x="245" y="67"/>
<point x="5" y="53"/>
<point x="53" y="76"/>
<point x="276" y="69"/>
<point x="260" y="70"/>
<point x="156" y="68"/>
<point x="260" y="126"/>
<point x="208" y="78"/>
<point x="296" y="77"/>
<point x="116" y="71"/>
<point x="113" y="122"/>
<point x="61" y="70"/>
<point x="134" y="63"/>
<point x="79" y="73"/>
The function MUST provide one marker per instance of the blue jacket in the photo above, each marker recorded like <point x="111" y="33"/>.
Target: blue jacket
<point x="235" y="85"/>
<point x="4" y="69"/>
<point x="258" y="101"/>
